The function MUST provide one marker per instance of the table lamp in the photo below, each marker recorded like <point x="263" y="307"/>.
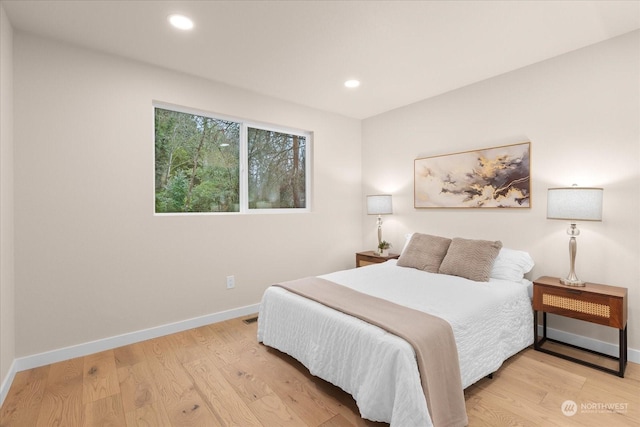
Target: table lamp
<point x="574" y="204"/>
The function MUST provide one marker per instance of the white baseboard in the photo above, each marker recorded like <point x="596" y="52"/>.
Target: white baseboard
<point x="590" y="343"/>
<point x="8" y="380"/>
<point x="53" y="356"/>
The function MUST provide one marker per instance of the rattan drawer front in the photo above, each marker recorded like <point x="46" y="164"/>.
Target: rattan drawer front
<point x="572" y="304"/>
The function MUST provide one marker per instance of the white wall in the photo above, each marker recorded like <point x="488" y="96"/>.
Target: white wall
<point x="92" y="261"/>
<point x="581" y="113"/>
<point x="7" y="307"/>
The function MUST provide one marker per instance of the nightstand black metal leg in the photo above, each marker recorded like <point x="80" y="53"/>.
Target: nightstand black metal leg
<point x="622" y="343"/>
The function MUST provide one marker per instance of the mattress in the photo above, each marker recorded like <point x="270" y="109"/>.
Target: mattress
<point x="491" y="321"/>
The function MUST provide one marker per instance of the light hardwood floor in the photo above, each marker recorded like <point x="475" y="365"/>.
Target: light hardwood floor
<point x="218" y="375"/>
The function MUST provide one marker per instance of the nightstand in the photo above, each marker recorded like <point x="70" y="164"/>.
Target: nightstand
<point x="602" y="304"/>
<point x="370" y="257"/>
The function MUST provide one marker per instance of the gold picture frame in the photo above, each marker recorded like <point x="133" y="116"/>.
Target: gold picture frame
<point x="498" y="177"/>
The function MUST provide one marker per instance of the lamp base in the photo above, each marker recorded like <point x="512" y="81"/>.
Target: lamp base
<point x="575" y="283"/>
<point x="572" y="279"/>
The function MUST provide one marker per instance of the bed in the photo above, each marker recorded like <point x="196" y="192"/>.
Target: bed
<point x="491" y="321"/>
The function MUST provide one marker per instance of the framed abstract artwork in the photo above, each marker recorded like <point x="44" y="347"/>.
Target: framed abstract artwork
<point x="498" y="177"/>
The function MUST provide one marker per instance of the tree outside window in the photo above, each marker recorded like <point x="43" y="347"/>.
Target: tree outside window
<point x="277" y="170"/>
<point x="198" y="161"/>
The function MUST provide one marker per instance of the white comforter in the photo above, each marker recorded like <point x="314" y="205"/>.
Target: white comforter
<point x="491" y="321"/>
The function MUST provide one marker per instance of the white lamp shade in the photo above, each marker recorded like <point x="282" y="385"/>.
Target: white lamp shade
<point x="379" y="204"/>
<point x="575" y="203"/>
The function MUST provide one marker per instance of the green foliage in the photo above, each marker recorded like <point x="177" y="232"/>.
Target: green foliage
<point x="210" y="197"/>
<point x="384" y="245"/>
<point x="173" y="196"/>
<point x="197" y="163"/>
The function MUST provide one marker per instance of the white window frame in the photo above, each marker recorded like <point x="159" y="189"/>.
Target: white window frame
<point x="243" y="160"/>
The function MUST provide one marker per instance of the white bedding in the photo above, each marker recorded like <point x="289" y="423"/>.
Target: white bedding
<point x="491" y="321"/>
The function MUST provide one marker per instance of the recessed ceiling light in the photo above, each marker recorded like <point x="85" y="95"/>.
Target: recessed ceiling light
<point x="352" y="83"/>
<point x="181" y="22"/>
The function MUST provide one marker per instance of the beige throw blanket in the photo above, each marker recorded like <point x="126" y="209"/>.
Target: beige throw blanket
<point x="430" y="336"/>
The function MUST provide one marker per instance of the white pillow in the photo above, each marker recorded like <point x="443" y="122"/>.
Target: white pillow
<point x="511" y="265"/>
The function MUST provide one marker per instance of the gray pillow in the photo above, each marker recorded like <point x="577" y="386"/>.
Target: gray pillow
<point x="471" y="259"/>
<point x="424" y="252"/>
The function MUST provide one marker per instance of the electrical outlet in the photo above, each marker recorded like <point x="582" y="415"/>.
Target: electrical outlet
<point x="231" y="282"/>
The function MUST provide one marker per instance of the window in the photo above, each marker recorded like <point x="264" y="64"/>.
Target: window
<point x="276" y="169"/>
<point x="208" y="164"/>
<point x="197" y="163"/>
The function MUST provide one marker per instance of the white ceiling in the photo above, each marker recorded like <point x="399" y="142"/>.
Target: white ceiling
<point x="303" y="51"/>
